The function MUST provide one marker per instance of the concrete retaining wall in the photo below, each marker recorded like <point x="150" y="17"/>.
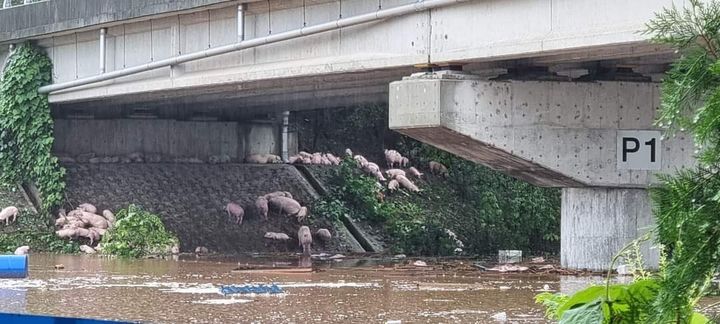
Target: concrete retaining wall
<point x="170" y="138"/>
<point x="191" y="200"/>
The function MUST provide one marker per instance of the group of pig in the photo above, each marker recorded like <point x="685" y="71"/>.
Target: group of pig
<point x="397" y="177"/>
<point x="84" y="222"/>
<point x="305" y="237"/>
<point x="316" y="158"/>
<point x="279" y="202"/>
<point x="79" y="223"/>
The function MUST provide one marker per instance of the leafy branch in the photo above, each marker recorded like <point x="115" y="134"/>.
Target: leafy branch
<point x="687" y="204"/>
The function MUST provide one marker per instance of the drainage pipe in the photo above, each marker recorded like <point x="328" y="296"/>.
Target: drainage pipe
<point x="103" y="31"/>
<point x="255" y="42"/>
<point x="285" y="124"/>
<point x="241" y="22"/>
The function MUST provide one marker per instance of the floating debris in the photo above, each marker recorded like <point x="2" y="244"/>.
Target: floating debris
<point x="222" y="301"/>
<point x="419" y="263"/>
<point x="509" y="268"/>
<point x="272" y="269"/>
<point x="251" y="289"/>
<point x="500" y="317"/>
<point x="537" y="260"/>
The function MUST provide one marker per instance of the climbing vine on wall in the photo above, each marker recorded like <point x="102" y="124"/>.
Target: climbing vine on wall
<point x="26" y="127"/>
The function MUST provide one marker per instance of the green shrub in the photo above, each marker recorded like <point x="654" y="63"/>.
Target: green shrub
<point x="415" y="233"/>
<point x="137" y="233"/>
<point x="406" y="223"/>
<point x="330" y="208"/>
<point x="358" y="192"/>
<point x="487" y="209"/>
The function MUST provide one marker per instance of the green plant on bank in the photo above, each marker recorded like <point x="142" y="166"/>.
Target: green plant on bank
<point x="38" y="241"/>
<point x="358" y="195"/>
<point x="614" y="303"/>
<point x="487" y="209"/>
<point x="30" y="229"/>
<point x="137" y="233"/>
<point x="26" y="127"/>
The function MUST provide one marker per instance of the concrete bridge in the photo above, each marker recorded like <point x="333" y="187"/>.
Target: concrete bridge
<point x="561" y="93"/>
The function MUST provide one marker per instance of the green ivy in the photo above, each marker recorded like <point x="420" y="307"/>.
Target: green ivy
<point x="137" y="233"/>
<point x="26" y="127"/>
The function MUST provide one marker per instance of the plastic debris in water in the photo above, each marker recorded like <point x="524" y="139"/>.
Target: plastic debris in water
<point x="419" y="263"/>
<point x="500" y="317"/>
<point x="251" y="289"/>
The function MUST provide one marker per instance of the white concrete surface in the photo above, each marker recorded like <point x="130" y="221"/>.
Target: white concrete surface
<point x="171" y="138"/>
<point x="596" y="223"/>
<point x="475" y="31"/>
<point x="568" y="128"/>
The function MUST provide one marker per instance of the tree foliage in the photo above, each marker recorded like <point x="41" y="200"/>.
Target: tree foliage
<point x="26" y="127"/>
<point x="687" y="204"/>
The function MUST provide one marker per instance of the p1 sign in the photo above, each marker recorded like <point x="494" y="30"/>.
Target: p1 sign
<point x="638" y="150"/>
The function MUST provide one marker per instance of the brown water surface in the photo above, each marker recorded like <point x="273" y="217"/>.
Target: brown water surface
<point x="187" y="291"/>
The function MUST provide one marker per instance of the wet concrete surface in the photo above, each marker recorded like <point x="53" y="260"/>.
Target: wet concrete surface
<point x="188" y="291"/>
<point x="191" y="198"/>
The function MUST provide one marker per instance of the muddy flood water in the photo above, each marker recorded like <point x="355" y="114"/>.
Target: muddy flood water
<point x="188" y="291"/>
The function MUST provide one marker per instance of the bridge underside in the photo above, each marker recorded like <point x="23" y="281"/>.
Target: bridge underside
<point x="551" y="133"/>
<point x="488" y="155"/>
<point x="322" y="89"/>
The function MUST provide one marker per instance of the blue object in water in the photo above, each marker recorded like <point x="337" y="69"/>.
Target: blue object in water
<point x="39" y="319"/>
<point x="13" y="266"/>
<point x="251" y="289"/>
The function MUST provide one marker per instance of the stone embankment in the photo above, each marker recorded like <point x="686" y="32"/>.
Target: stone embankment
<point x="191" y="200"/>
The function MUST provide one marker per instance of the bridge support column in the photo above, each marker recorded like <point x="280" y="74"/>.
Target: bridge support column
<point x="284" y="150"/>
<point x="597" y="222"/>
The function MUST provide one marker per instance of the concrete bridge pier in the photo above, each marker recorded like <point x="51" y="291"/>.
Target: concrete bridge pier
<point x="596" y="223"/>
<point x="596" y="140"/>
